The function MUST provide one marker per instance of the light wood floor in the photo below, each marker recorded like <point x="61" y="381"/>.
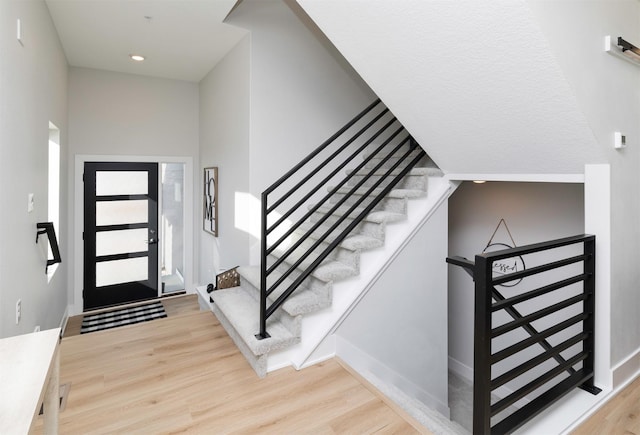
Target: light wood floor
<point x="184" y="374"/>
<point x="621" y="415"/>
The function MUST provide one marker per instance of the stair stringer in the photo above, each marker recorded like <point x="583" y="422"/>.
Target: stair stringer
<point x="314" y="347"/>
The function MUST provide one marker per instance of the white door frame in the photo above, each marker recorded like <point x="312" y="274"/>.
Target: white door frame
<point x="76" y="306"/>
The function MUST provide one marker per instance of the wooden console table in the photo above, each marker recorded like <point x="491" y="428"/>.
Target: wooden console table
<point x="29" y="377"/>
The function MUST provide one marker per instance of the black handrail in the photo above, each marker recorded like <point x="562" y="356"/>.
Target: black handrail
<point x="48" y="229"/>
<point x="488" y="300"/>
<point x="383" y="151"/>
<point x="335" y="207"/>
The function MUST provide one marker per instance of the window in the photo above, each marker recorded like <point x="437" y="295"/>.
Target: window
<point x="54" y="187"/>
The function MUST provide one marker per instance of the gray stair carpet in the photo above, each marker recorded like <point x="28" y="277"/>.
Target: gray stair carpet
<point x="238" y="308"/>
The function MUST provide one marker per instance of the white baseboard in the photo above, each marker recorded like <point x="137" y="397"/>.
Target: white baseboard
<point x="460" y="369"/>
<point x="626" y="370"/>
<point x="466" y="372"/>
<point x="64" y="320"/>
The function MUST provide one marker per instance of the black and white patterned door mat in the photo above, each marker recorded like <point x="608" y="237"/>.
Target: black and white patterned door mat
<point x="123" y="316"/>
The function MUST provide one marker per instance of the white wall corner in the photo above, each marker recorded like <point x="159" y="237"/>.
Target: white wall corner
<point x="597" y="216"/>
<point x="65" y="318"/>
<point x="626" y="370"/>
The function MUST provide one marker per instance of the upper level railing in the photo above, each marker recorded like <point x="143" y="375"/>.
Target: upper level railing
<point x="533" y="340"/>
<point x="310" y="210"/>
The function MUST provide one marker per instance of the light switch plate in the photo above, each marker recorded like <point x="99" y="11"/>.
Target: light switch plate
<point x="19" y="31"/>
<point x="31" y="203"/>
<point x="619" y="140"/>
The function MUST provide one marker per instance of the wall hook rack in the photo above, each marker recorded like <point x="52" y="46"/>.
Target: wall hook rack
<point x="48" y="229"/>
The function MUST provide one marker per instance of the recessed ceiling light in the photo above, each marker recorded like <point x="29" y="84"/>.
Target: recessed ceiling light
<point x="136" y="57"/>
<point x="479" y="181"/>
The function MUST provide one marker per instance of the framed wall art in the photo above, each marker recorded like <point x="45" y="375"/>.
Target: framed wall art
<point x="210" y="201"/>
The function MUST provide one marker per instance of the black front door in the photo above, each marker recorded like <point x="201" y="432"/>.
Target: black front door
<point x="120" y="233"/>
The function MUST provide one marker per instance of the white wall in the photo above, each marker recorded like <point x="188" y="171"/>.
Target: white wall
<point x="125" y="116"/>
<point x="534" y="212"/>
<point x="302" y="90"/>
<point x="502" y="87"/>
<point x="33" y="91"/>
<point x="224" y="142"/>
<point x="473" y="81"/>
<point x="606" y="88"/>
<point x="398" y="332"/>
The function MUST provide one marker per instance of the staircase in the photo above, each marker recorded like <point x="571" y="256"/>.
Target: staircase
<point x="336" y="205"/>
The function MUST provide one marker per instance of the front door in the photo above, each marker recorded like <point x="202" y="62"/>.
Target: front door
<point x="120" y="233"/>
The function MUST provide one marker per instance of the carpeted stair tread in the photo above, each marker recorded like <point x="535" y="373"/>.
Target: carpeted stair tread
<point x="354" y="241"/>
<point x="242" y="310"/>
<point x="384" y="153"/>
<point x="378" y="217"/>
<point x="333" y="271"/>
<point x="329" y="270"/>
<point x="394" y="193"/>
<point x="302" y="301"/>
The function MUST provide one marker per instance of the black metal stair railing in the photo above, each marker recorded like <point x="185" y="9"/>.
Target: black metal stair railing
<point x="567" y="314"/>
<point x="354" y="188"/>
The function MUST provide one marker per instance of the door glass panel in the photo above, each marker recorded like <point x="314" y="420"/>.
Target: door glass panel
<point x="172" y="221"/>
<point x="121" y="271"/>
<point x="121" y="183"/>
<point x="122" y="212"/>
<point x="121" y="241"/>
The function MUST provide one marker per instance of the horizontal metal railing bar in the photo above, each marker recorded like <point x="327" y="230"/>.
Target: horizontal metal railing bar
<point x="329" y="159"/>
<point x="539" y="359"/>
<point x="528" y="327"/>
<point x="537" y="292"/>
<point x="346" y="231"/>
<point x="512" y="398"/>
<point x="537" y="405"/>
<point x="539" y="269"/>
<point x="537" y="247"/>
<point x="327" y="179"/>
<point x="503" y="329"/>
<point x="107" y="198"/>
<point x="322" y="146"/>
<point x="124" y="256"/>
<point x="304" y="256"/>
<point x="515" y="348"/>
<point x="120" y="227"/>
<point x="316" y="225"/>
<point x="461" y="261"/>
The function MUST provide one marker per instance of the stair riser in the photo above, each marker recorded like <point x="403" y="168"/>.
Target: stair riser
<point x="392" y="161"/>
<point x="292" y="323"/>
<point x="320" y="287"/>
<point x="397" y="205"/>
<point x="371" y="229"/>
<point x="346" y="256"/>
<point x="417" y="182"/>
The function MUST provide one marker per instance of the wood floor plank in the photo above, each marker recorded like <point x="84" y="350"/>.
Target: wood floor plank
<point x="183" y="374"/>
<point x="621" y="415"/>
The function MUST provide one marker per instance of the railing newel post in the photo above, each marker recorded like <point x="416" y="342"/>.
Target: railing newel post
<point x="589" y="308"/>
<point x="482" y="347"/>
<point x="263" y="269"/>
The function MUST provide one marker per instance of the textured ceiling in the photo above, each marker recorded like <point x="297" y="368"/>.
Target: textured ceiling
<point x="181" y="39"/>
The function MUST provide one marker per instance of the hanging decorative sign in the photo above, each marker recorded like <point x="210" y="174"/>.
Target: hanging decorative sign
<point x="210" y="201"/>
<point x="504" y="266"/>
